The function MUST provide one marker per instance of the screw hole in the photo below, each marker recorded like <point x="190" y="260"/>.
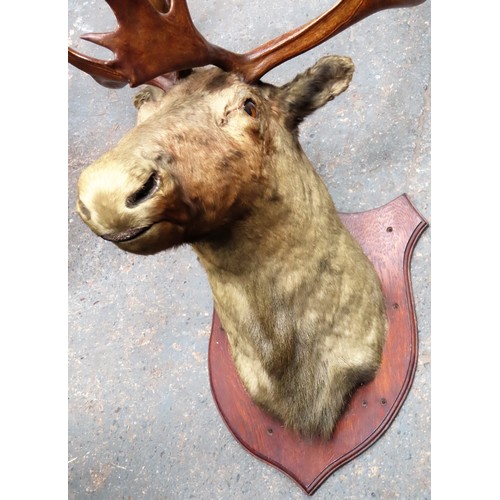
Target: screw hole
<point x="389" y="229"/>
<point x="364" y="403"/>
<point x="383" y="401"/>
<point x="395" y="305"/>
<point x="270" y="431"/>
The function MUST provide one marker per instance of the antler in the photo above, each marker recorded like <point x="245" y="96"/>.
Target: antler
<point x="155" y="37"/>
<point x="340" y="17"/>
<point x="150" y="40"/>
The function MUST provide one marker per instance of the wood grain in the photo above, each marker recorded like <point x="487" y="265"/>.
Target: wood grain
<point x="388" y="235"/>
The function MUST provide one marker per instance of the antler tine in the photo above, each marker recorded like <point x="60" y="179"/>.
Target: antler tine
<point x="97" y="69"/>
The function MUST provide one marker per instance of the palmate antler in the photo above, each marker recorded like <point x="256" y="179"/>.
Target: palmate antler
<point x="156" y="37"/>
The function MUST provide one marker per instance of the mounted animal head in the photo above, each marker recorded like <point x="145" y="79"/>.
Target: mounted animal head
<point x="203" y="150"/>
<point x="203" y="155"/>
<point x="215" y="161"/>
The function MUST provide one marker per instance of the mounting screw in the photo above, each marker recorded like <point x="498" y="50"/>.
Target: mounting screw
<point x="395" y="305"/>
<point x="383" y="401"/>
<point x="270" y="431"/>
<point x="364" y="403"/>
<point x="389" y="229"/>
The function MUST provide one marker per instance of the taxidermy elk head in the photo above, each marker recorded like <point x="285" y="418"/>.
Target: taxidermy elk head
<point x="215" y="162"/>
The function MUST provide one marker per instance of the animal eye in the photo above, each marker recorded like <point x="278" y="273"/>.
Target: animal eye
<point x="250" y="108"/>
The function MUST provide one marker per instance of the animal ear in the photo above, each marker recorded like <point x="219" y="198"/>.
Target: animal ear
<point x="148" y="94"/>
<point x="148" y="99"/>
<point x="321" y="83"/>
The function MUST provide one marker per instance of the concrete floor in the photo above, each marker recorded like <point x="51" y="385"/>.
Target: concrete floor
<point x="142" y="422"/>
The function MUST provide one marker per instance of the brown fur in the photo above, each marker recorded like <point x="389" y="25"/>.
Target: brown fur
<point x="300" y="302"/>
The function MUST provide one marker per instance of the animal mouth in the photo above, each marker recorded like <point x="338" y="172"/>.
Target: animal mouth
<point x="127" y="235"/>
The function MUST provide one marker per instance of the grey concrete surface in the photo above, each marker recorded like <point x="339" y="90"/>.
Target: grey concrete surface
<point x="142" y="422"/>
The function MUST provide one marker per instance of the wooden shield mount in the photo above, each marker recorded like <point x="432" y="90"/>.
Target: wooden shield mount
<point x="388" y="235"/>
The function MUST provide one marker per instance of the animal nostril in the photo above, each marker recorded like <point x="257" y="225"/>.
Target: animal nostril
<point x="83" y="210"/>
<point x="148" y="188"/>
